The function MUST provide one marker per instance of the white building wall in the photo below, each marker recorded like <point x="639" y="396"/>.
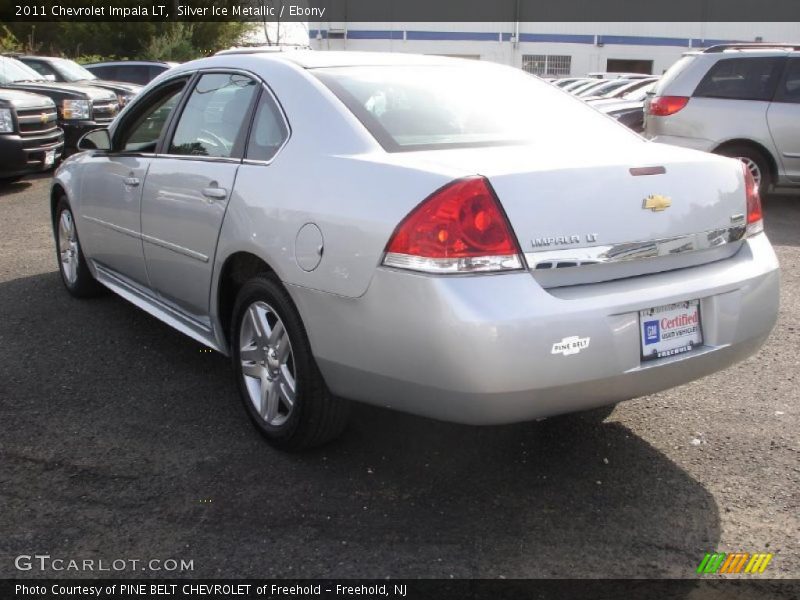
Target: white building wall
<point x="662" y="43"/>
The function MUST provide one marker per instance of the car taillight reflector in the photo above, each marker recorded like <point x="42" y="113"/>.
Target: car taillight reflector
<point x="664" y="106"/>
<point x="755" y="216"/>
<point x="460" y="228"/>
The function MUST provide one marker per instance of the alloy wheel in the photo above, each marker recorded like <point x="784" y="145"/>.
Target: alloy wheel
<point x="754" y="169"/>
<point x="267" y="363"/>
<point x="68" y="249"/>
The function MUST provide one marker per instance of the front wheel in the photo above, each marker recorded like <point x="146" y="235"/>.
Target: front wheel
<point x="72" y="265"/>
<point x="279" y="382"/>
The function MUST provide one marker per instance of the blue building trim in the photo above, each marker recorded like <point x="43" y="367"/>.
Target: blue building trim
<point x="475" y="36"/>
<point x="557" y="38"/>
<point x="374" y="35"/>
<point x="560" y="38"/>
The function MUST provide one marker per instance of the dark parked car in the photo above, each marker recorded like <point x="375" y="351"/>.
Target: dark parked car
<point x="80" y="108"/>
<point x="628" y="109"/>
<point x="140" y="72"/>
<point x="68" y="71"/>
<point x="30" y="139"/>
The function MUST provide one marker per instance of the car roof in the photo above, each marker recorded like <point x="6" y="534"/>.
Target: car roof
<point x="139" y="63"/>
<point x="742" y="52"/>
<point x="309" y="59"/>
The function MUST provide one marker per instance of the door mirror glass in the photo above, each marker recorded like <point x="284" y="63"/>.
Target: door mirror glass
<point x="95" y="140"/>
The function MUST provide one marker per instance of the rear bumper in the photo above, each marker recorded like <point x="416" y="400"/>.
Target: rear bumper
<point x="23" y="155"/>
<point x="477" y="349"/>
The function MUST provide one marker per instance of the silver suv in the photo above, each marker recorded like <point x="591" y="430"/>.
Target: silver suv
<point x="739" y="100"/>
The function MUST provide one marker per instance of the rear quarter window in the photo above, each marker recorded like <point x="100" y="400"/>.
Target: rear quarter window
<point x="752" y="78"/>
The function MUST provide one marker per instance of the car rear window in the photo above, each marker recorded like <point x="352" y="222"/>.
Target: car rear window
<point x="430" y="107"/>
<point x="662" y="86"/>
<point x="752" y="78"/>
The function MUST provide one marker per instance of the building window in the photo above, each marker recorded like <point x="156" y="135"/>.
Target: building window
<point x="547" y="65"/>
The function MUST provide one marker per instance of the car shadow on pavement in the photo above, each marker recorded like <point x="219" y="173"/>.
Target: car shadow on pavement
<point x="124" y="439"/>
<point x="8" y="189"/>
<point x="782" y="219"/>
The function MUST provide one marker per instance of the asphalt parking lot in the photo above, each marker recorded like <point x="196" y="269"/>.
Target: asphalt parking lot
<point x="124" y="439"/>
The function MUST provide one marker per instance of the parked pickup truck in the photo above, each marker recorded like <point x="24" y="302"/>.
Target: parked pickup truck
<point x="80" y="108"/>
<point x="30" y="138"/>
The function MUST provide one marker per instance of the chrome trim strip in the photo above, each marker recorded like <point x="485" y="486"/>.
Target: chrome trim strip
<point x="217" y="159"/>
<point x="792" y="154"/>
<point x="149" y="238"/>
<point x="615" y="253"/>
<point x="175" y="248"/>
<point x="117" y="228"/>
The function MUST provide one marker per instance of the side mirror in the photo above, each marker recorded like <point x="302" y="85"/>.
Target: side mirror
<point x="95" y="140"/>
<point x="50" y="77"/>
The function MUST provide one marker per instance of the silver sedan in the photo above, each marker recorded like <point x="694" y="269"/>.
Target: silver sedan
<point x="453" y="239"/>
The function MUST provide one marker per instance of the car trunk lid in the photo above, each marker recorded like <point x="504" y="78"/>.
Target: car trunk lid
<point x="582" y="216"/>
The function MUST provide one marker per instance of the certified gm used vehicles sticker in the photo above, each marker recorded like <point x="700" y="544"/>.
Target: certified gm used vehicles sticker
<point x="371" y="227"/>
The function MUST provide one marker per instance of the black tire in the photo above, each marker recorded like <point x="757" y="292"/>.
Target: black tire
<point x="84" y="284"/>
<point x="316" y="416"/>
<point x="743" y="151"/>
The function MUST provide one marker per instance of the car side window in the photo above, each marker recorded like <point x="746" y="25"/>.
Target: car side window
<point x="789" y="89"/>
<point x="144" y="131"/>
<point x="39" y="67"/>
<point x="108" y="73"/>
<point x="215" y="118"/>
<point x="138" y="74"/>
<point x="153" y="72"/>
<point x="741" y="79"/>
<point x="269" y="130"/>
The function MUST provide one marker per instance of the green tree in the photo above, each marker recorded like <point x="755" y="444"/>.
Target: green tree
<point x="154" y="41"/>
<point x="8" y="43"/>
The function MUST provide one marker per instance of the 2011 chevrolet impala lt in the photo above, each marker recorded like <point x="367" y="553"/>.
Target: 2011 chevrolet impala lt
<point x="453" y="239"/>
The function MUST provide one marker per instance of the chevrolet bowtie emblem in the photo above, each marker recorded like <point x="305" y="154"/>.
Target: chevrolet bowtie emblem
<point x="44" y="117"/>
<point x="656" y="203"/>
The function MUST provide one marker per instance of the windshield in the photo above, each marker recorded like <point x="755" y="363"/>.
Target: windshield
<point x="605" y="88"/>
<point x="70" y="70"/>
<point x="641" y="93"/>
<point x="12" y="71"/>
<point x="433" y="107"/>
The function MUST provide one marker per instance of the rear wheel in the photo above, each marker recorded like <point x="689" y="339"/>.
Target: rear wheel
<point x="279" y="382"/>
<point x="72" y="265"/>
<point x="755" y="161"/>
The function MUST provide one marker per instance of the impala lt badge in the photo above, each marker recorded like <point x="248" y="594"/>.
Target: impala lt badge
<point x="656" y="203"/>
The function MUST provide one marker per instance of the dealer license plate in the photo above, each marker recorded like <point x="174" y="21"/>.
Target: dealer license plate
<point x="49" y="158"/>
<point x="670" y="329"/>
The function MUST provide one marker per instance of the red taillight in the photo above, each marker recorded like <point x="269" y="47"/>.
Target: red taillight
<point x="664" y="106"/>
<point x="755" y="216"/>
<point x="459" y="228"/>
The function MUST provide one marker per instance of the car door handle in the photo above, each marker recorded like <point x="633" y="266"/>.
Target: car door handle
<point x="131" y="181"/>
<point x="215" y="193"/>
